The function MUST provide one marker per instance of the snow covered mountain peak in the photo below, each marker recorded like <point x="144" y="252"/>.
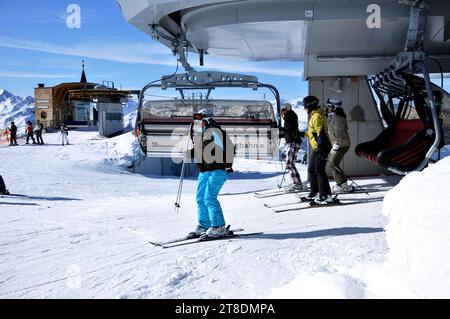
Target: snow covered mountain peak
<point x="15" y="108"/>
<point x="6" y="95"/>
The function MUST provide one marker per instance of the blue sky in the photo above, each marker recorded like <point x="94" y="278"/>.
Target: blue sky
<point x="36" y="46"/>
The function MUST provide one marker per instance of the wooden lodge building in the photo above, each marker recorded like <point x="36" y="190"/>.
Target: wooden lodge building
<point x="81" y="104"/>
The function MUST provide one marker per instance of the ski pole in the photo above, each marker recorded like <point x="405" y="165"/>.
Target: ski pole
<point x="180" y="187"/>
<point x="284" y="173"/>
<point x="340" y="170"/>
<point x="180" y="183"/>
<point x="276" y="166"/>
<point x="279" y="184"/>
<point x="282" y="179"/>
<point x="276" y="170"/>
<point x="353" y="182"/>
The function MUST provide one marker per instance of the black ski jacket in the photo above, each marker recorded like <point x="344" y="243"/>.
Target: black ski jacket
<point x="291" y="132"/>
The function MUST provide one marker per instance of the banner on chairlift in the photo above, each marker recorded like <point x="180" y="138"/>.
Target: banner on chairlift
<point x="249" y="142"/>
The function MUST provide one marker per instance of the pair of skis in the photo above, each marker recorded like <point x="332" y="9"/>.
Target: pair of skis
<point x="276" y="192"/>
<point x="308" y="204"/>
<point x="301" y="196"/>
<point x="305" y="204"/>
<point x="192" y="239"/>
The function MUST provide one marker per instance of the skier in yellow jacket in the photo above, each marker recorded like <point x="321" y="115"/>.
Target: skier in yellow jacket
<point x="320" y="143"/>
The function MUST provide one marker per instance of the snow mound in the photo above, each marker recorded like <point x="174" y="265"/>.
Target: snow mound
<point x="120" y="150"/>
<point x="418" y="233"/>
<point x="323" y="284"/>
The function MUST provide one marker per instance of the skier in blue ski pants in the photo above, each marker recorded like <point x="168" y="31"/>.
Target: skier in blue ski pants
<point x="210" y="212"/>
<point x="210" y="155"/>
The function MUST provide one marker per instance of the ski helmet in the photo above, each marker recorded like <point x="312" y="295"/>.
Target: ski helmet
<point x="311" y="103"/>
<point x="206" y="115"/>
<point x="287" y="106"/>
<point x="334" y="102"/>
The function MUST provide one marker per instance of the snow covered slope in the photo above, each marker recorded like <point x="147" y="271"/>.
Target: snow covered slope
<point x="79" y="227"/>
<point x="14" y="108"/>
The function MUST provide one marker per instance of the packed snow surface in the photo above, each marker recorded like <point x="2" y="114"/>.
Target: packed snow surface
<point x="418" y="233"/>
<point x="80" y="225"/>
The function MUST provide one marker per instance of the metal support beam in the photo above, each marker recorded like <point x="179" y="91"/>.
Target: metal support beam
<point x="414" y="37"/>
<point x="179" y="45"/>
<point x="437" y="125"/>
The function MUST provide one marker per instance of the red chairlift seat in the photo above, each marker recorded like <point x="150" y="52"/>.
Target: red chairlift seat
<point x="402" y="145"/>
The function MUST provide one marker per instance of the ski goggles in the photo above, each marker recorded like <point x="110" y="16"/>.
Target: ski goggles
<point x="198" y="117"/>
<point x="333" y="104"/>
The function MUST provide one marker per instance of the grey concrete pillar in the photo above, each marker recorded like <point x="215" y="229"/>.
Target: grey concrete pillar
<point x="363" y="117"/>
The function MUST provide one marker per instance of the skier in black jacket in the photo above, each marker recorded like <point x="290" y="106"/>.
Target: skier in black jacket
<point x="293" y="139"/>
<point x="3" y="190"/>
<point x="213" y="153"/>
<point x="38" y="127"/>
<point x="13" y="130"/>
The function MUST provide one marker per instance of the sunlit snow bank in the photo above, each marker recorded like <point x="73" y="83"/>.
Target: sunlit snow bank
<point x="323" y="284"/>
<point x="418" y="236"/>
<point x="120" y="150"/>
<point x="418" y="233"/>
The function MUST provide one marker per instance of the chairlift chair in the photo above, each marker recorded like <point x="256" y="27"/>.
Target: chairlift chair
<point x="403" y="145"/>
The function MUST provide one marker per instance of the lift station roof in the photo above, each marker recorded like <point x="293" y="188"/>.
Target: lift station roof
<point x="331" y="36"/>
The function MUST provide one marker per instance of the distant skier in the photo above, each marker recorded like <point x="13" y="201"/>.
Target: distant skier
<point x="13" y="131"/>
<point x="338" y="132"/>
<point x="3" y="190"/>
<point x="38" y="127"/>
<point x="64" y="134"/>
<point x="321" y="146"/>
<point x="6" y="134"/>
<point x="293" y="141"/>
<point x="29" y="132"/>
<point x="212" y="156"/>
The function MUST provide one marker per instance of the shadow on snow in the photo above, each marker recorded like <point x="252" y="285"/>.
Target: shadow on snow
<point x="332" y="232"/>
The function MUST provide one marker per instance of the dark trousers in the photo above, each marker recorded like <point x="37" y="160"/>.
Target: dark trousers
<point x="39" y="137"/>
<point x="13" y="140"/>
<point x="334" y="161"/>
<point x="318" y="179"/>
<point x="30" y="134"/>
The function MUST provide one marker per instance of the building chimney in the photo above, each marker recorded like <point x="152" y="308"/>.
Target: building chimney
<point x="41" y="85"/>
